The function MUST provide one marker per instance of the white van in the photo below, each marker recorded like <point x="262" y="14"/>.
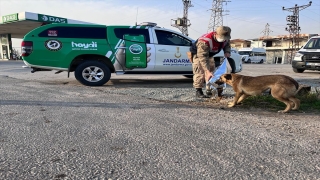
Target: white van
<point x="253" y="55"/>
<point x="308" y="57"/>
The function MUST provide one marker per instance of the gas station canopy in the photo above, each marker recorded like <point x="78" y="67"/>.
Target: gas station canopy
<point x="19" y="24"/>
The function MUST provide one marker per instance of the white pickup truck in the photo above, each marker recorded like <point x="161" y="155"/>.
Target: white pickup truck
<point x="93" y="52"/>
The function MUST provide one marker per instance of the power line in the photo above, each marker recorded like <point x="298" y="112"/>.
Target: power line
<point x="266" y="31"/>
<point x="216" y="18"/>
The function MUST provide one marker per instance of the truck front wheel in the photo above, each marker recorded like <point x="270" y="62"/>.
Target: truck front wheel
<point x="297" y="70"/>
<point x="92" y="73"/>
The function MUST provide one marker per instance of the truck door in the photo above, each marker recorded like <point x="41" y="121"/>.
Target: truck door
<point x="135" y="51"/>
<point x="171" y="52"/>
<point x="117" y="42"/>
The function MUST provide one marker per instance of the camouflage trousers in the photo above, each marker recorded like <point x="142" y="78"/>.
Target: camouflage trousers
<point x="198" y="72"/>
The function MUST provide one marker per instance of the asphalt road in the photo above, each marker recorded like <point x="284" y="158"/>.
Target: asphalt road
<point x="51" y="127"/>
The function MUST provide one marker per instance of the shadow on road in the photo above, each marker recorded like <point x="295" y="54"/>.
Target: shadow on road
<point x="150" y="83"/>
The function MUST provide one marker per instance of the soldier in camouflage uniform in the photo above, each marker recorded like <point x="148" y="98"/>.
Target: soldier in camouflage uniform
<point x="203" y="51"/>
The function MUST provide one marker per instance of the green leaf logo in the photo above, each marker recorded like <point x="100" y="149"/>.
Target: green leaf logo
<point x="135" y="49"/>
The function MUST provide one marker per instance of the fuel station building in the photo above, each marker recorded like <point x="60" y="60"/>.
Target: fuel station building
<point x="18" y="24"/>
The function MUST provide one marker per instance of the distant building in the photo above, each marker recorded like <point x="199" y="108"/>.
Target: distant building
<point x="277" y="47"/>
<point x="240" y="43"/>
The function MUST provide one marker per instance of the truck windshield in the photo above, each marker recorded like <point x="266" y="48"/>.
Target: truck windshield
<point x="313" y="43"/>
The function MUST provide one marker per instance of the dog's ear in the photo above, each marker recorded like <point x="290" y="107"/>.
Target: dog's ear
<point x="228" y="76"/>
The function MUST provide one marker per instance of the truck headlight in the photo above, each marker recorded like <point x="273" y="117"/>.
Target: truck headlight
<point x="298" y="57"/>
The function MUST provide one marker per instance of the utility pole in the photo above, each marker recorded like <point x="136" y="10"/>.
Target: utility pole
<point x="266" y="31"/>
<point x="216" y="18"/>
<point x="294" y="29"/>
<point x="183" y="23"/>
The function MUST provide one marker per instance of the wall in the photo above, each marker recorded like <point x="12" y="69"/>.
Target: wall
<point x="279" y="50"/>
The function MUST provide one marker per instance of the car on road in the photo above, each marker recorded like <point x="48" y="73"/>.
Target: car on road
<point x="93" y="52"/>
<point x="253" y="55"/>
<point x="308" y="57"/>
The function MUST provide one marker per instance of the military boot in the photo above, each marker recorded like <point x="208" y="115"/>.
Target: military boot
<point x="199" y="93"/>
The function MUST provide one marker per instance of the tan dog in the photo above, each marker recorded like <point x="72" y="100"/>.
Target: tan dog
<point x="282" y="88"/>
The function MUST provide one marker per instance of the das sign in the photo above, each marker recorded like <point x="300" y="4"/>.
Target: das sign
<point x="10" y="18"/>
<point x="51" y="19"/>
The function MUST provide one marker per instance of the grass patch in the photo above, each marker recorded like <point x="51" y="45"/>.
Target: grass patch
<point x="309" y="102"/>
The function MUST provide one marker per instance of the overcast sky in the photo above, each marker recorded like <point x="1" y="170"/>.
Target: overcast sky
<point x="247" y="18"/>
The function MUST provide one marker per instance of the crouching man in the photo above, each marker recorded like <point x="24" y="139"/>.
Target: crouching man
<point x="203" y="51"/>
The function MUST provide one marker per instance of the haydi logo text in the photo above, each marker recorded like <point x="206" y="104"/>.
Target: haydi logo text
<point x="84" y="46"/>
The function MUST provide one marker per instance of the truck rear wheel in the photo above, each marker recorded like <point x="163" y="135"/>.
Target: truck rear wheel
<point x="92" y="73"/>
